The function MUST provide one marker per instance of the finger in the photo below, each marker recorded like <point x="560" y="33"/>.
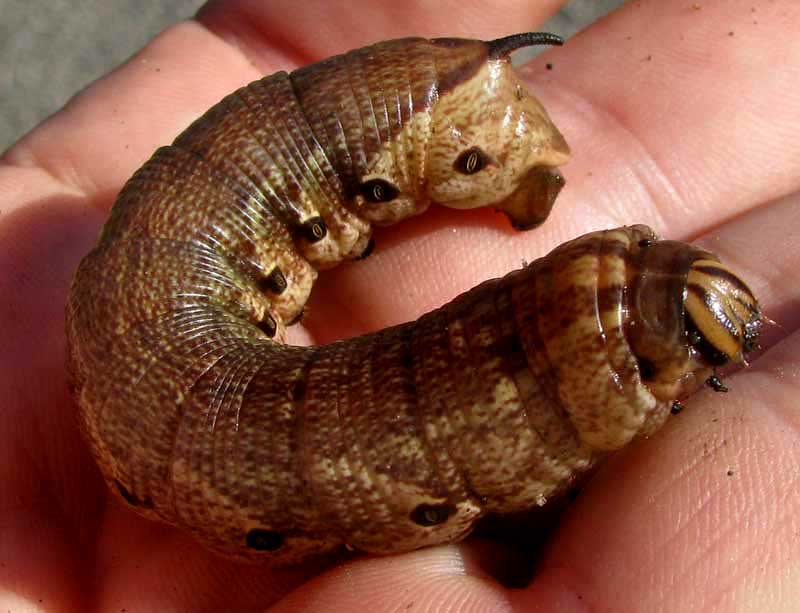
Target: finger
<point x="147" y="566"/>
<point x="683" y="141"/>
<point x="702" y="512"/>
<point x="103" y="134"/>
<point x="682" y="118"/>
<point x="49" y="496"/>
<point x="435" y="579"/>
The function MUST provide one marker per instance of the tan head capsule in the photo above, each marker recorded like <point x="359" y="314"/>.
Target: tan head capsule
<point x="692" y="315"/>
<point x="723" y="317"/>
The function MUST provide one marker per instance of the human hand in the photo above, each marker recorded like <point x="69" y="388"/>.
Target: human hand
<point x="673" y="121"/>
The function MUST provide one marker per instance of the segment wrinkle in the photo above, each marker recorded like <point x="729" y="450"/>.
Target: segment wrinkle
<point x="287" y="165"/>
<point x="317" y="146"/>
<point x="465" y="373"/>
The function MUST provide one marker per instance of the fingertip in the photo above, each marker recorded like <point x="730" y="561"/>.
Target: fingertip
<point x="435" y="579"/>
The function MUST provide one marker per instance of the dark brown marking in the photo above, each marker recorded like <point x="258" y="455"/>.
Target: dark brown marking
<point x="610" y="297"/>
<point x="367" y="250"/>
<point x="297" y="318"/>
<point x="699" y="291"/>
<point x="713" y="300"/>
<point x="457" y="61"/>
<point x="647" y="369"/>
<point x="268" y="326"/>
<point x="515" y="347"/>
<point x="470" y="161"/>
<point x="721" y="273"/>
<point x="274" y="282"/>
<point x="299" y="389"/>
<point x="264" y="540"/>
<point x="378" y="190"/>
<point x="710" y="353"/>
<point x="407" y="360"/>
<point x="131" y="498"/>
<point x="314" y="230"/>
<point x="432" y="514"/>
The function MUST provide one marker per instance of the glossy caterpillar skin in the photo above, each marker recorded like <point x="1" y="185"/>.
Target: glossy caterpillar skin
<point x="199" y="415"/>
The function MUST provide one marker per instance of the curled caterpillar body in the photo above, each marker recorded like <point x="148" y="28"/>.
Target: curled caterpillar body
<point x="199" y="415"/>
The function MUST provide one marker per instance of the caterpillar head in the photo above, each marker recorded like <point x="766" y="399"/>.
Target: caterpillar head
<point x="694" y="316"/>
<point x="723" y="319"/>
<point x="492" y="143"/>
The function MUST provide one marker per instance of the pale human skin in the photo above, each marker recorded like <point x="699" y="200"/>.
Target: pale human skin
<point x="673" y="121"/>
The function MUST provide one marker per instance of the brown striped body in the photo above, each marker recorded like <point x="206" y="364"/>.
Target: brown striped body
<point x="198" y="414"/>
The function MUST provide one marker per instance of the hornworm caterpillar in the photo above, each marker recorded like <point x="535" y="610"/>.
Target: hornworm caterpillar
<point x="200" y="415"/>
